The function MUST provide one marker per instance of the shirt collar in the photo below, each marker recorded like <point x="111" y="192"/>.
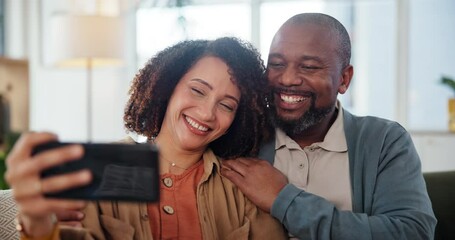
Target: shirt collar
<point x="334" y="140"/>
<point x="211" y="163"/>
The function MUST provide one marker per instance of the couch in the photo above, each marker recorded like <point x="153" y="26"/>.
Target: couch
<point x="441" y="189"/>
<point x="8" y="213"/>
<point x="440" y="185"/>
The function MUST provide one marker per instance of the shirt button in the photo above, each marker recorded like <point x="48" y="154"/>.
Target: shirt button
<point x="168" y="182"/>
<point x="301" y="165"/>
<point x="168" y="209"/>
<point x="312" y="149"/>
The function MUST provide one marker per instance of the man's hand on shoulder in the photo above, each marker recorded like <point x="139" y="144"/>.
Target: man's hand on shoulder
<point x="257" y="179"/>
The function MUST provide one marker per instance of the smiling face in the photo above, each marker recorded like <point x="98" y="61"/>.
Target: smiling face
<point x="306" y="75"/>
<point x="202" y="106"/>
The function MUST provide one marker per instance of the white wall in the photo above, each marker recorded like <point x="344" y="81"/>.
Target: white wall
<point x="15" y="29"/>
<point x="431" y="55"/>
<point x="58" y="96"/>
<point x="374" y="49"/>
<point x="436" y="150"/>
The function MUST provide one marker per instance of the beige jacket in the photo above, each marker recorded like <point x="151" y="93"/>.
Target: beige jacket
<point x="224" y="213"/>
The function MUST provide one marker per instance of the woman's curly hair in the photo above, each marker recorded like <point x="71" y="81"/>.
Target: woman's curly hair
<point x="153" y="86"/>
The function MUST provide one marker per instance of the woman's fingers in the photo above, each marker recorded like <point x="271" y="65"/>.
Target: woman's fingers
<point x="23" y="147"/>
<point x="33" y="187"/>
<point x="55" y="157"/>
<point x="70" y="216"/>
<point x="25" y="176"/>
<point x="21" y="164"/>
<point x="40" y="206"/>
<point x="59" y="183"/>
<point x="57" y="205"/>
<point x="26" y="189"/>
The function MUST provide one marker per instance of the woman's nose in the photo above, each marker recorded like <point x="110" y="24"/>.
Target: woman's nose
<point x="207" y="111"/>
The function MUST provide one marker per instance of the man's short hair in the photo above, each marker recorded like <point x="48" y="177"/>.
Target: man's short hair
<point x="336" y="28"/>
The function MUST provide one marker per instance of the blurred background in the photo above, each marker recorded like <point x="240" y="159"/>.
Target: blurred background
<point x="66" y="65"/>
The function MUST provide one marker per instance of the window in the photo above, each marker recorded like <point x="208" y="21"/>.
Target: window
<point x="382" y="50"/>
<point x="431" y="55"/>
<point x="158" y="28"/>
<point x="2" y="27"/>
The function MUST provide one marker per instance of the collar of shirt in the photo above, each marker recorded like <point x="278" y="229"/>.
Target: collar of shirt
<point x="211" y="162"/>
<point x="334" y="140"/>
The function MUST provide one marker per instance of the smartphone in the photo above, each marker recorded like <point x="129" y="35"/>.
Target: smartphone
<point x="122" y="172"/>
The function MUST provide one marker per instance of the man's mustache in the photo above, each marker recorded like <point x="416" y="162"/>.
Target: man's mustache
<point x="291" y="91"/>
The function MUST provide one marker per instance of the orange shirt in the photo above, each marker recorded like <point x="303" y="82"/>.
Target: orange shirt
<point x="176" y="215"/>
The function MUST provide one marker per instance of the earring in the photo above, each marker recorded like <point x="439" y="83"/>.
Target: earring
<point x="153" y="138"/>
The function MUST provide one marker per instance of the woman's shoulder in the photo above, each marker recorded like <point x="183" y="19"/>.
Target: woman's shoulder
<point x="213" y="165"/>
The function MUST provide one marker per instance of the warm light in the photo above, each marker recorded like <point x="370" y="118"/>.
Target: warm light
<point x="87" y="41"/>
<point x="78" y="38"/>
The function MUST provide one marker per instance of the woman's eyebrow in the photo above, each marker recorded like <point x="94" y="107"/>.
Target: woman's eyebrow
<point x="211" y="88"/>
<point x="202" y="82"/>
<point x="233" y="98"/>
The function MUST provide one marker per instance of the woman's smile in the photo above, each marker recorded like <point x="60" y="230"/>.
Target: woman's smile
<point x="195" y="126"/>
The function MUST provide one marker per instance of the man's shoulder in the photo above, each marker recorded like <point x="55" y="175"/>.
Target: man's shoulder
<point x="352" y="121"/>
<point x="267" y="151"/>
<point x="371" y="128"/>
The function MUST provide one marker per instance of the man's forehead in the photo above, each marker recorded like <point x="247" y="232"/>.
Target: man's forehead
<point x="303" y="33"/>
<point x="305" y="30"/>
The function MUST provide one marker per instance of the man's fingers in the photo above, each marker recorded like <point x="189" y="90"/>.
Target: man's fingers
<point x="232" y="175"/>
<point x="236" y="166"/>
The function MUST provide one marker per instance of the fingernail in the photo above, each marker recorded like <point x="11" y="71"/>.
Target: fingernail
<point x="224" y="167"/>
<point x="77" y="149"/>
<point x="86" y="175"/>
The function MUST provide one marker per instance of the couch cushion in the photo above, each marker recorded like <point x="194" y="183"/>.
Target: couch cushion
<point x="441" y="189"/>
<point x="8" y="213"/>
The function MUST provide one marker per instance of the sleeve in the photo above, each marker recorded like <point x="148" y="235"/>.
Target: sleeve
<point x="398" y="208"/>
<point x="54" y="235"/>
<point x="61" y="232"/>
<point x="263" y="225"/>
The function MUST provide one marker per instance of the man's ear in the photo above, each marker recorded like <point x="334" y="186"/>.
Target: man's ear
<point x="346" y="78"/>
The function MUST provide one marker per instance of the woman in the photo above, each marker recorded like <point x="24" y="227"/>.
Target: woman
<point x="195" y="100"/>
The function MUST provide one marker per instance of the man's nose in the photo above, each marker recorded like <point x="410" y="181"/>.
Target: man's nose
<point x="290" y="77"/>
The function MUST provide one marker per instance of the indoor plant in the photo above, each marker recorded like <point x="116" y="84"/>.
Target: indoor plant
<point x="451" y="102"/>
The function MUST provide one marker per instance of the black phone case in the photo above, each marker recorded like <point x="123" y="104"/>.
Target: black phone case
<point x="123" y="172"/>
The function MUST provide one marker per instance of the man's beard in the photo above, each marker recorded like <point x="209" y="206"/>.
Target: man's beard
<point x="294" y="127"/>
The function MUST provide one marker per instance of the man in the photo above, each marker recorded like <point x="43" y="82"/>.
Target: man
<point x="336" y="175"/>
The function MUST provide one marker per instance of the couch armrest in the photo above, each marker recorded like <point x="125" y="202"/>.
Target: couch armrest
<point x="441" y="189"/>
<point x="8" y="213"/>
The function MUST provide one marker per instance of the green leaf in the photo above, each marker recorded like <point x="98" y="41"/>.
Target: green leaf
<point x="3" y="184"/>
<point x="449" y="82"/>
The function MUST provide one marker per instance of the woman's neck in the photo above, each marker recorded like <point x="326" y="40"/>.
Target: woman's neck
<point x="174" y="159"/>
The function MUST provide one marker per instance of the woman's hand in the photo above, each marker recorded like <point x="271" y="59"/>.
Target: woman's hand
<point x="23" y="176"/>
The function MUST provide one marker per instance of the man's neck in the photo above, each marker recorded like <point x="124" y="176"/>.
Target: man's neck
<point x="317" y="132"/>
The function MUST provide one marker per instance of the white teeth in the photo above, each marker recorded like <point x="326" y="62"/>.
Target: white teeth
<point x="291" y="99"/>
<point x="196" y="125"/>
